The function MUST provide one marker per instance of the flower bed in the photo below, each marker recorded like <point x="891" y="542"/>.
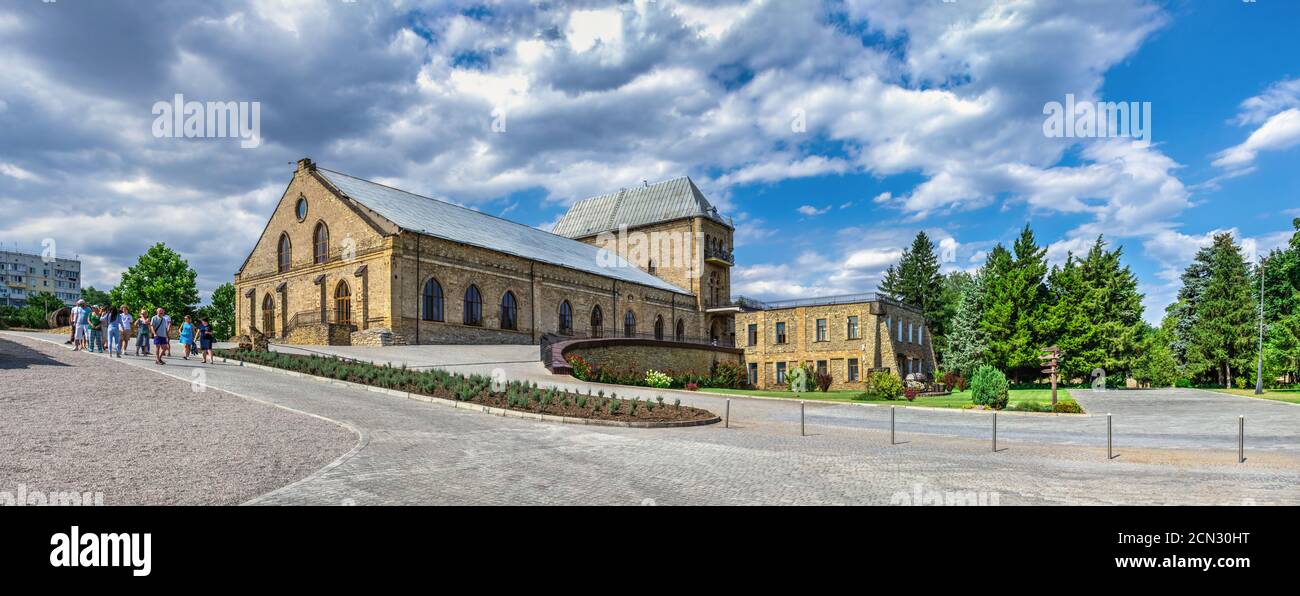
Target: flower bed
<point x="479" y="389"/>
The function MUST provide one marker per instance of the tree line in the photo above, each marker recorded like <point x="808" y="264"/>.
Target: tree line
<point x="161" y="278"/>
<point x="1015" y="304"/>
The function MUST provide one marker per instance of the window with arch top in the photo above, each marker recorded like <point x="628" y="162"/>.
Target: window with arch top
<point x="659" y="327"/>
<point x="473" y="312"/>
<point x="320" y="243"/>
<point x="343" y="303"/>
<point x="597" y="321"/>
<point x="509" y="311"/>
<point x="566" y="318"/>
<point x="432" y="301"/>
<point x="284" y="253"/>
<point x="629" y="324"/>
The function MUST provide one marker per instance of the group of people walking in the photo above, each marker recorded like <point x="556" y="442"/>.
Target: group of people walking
<point x="107" y="330"/>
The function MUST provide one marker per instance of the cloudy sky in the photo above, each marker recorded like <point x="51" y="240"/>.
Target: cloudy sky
<point x="832" y="132"/>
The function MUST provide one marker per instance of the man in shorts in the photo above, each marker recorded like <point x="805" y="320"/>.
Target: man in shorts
<point x="80" y="319"/>
<point x="158" y="327"/>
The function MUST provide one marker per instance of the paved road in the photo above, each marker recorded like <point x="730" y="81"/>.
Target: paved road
<point x="1172" y="419"/>
<point x="421" y="453"/>
<point x="72" y="421"/>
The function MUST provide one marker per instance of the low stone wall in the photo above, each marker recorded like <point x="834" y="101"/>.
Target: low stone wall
<point x="641" y="354"/>
<point x="376" y="337"/>
<point x="328" y="334"/>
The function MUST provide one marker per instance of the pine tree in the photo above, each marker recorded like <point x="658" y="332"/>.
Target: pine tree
<point x="967" y="343"/>
<point x="1014" y="304"/>
<point x="916" y="281"/>
<point x="1221" y="335"/>
<point x="1095" y="312"/>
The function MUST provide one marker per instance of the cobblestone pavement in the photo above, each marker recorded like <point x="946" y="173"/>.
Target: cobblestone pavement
<point x="73" y="422"/>
<point x="417" y="453"/>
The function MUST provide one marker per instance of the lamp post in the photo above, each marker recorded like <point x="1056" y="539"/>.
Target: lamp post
<point x="1259" y="373"/>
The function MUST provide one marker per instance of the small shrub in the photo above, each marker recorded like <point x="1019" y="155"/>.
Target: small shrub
<point x="824" y="381"/>
<point x="884" y="385"/>
<point x="658" y="380"/>
<point x="727" y="375"/>
<point x="989" y="387"/>
<point x="1067" y="407"/>
<point x="692" y="387"/>
<point x="954" y="381"/>
<point x="910" y="393"/>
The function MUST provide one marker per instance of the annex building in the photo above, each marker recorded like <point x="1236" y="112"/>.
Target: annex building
<point x="846" y="336"/>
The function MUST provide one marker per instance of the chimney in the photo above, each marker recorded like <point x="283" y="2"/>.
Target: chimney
<point x="305" y="164"/>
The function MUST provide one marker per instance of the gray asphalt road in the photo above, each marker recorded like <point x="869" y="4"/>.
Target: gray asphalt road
<point x="421" y="453"/>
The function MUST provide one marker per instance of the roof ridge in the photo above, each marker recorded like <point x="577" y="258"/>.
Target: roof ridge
<point x="449" y="203"/>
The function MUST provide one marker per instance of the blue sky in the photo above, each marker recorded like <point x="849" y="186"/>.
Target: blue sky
<point x="911" y="115"/>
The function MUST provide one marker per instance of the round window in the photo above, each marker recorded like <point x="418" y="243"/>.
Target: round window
<point x="302" y="209"/>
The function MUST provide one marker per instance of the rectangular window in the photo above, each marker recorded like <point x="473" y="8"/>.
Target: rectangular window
<point x="821" y="367"/>
<point x="821" y="329"/>
<point x="780" y="333"/>
<point x="753" y="334"/>
<point x="920" y="334"/>
<point x="753" y="374"/>
<point x="853" y="369"/>
<point x="900" y="331"/>
<point x="853" y="328"/>
<point x="911" y="337"/>
<point x="780" y="372"/>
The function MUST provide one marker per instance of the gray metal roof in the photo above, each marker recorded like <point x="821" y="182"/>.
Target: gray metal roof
<point x="458" y="224"/>
<point x="632" y="207"/>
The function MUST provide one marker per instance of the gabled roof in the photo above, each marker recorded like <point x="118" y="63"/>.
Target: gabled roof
<point x="662" y="201"/>
<point x="444" y="220"/>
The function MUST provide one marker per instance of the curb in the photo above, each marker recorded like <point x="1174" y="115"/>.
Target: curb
<point x="460" y="405"/>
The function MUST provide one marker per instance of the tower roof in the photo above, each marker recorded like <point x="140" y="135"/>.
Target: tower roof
<point x="668" y="200"/>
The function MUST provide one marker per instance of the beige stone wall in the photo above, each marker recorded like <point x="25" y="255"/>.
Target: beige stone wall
<point x="539" y="289"/>
<point x="356" y="238"/>
<point x="875" y="347"/>
<point x="388" y="294"/>
<point x="678" y="359"/>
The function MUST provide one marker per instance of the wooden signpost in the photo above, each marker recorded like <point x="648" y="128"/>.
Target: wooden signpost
<point x="1051" y="358"/>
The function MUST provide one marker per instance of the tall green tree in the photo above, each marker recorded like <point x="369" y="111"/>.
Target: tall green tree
<point x="221" y="312"/>
<point x="1221" y="335"/>
<point x="916" y="281"/>
<point x="1281" y="271"/>
<point x="1015" y="298"/>
<point x="1154" y="364"/>
<point x="96" y="297"/>
<point x="1094" y="313"/>
<point x="967" y="344"/>
<point x="160" y="278"/>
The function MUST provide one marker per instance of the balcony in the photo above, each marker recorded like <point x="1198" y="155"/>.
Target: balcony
<point x="719" y="256"/>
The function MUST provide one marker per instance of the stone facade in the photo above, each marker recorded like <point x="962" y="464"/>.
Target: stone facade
<point x="382" y="271"/>
<point x="661" y="356"/>
<point x="690" y="264"/>
<point x="888" y="336"/>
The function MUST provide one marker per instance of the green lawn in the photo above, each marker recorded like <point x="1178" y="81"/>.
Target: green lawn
<point x="1291" y="396"/>
<point x="956" y="400"/>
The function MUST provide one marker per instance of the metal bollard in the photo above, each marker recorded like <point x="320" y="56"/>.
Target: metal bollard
<point x="726" y="418"/>
<point x="995" y="432"/>
<point x="801" y="425"/>
<point x="1110" y="437"/>
<point x="1241" y="439"/>
<point x="891" y="425"/>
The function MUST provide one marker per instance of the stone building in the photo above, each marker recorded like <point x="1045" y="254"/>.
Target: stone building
<point x="846" y="336"/>
<point x="671" y="230"/>
<point x="346" y="260"/>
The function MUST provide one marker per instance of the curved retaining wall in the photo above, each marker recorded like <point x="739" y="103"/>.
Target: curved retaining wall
<point x="642" y="354"/>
